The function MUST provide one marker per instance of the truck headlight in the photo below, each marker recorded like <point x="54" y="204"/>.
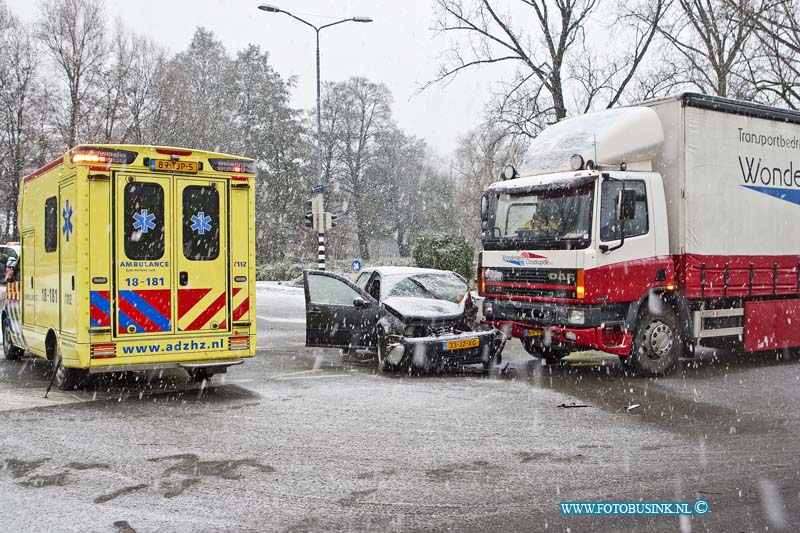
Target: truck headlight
<point x="493" y="275"/>
<point x="577" y="316"/>
<point x="488" y="308"/>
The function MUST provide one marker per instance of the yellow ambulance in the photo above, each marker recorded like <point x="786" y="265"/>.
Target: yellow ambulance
<point x="135" y="258"/>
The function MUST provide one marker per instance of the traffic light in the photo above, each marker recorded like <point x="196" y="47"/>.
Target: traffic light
<point x="309" y="214"/>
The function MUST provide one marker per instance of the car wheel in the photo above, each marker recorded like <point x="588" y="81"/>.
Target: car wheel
<point x="10" y="351"/>
<point x="493" y="362"/>
<point x="656" y="343"/>
<point x="381" y="350"/>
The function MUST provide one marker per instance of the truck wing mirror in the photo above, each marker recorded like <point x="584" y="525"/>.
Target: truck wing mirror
<point x="626" y="210"/>
<point x="626" y="204"/>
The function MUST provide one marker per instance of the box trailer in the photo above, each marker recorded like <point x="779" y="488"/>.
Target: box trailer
<point x="645" y="230"/>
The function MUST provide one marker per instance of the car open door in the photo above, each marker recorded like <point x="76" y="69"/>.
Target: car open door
<point x="338" y="313"/>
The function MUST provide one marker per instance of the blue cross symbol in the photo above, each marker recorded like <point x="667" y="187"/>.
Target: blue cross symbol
<point x="66" y="214"/>
<point x="143" y="221"/>
<point x="201" y="223"/>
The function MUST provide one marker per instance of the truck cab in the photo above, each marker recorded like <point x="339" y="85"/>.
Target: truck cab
<point x="571" y="255"/>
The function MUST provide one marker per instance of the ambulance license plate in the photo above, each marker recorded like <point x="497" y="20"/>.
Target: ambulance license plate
<point x="168" y="165"/>
<point x="533" y="332"/>
<point x="461" y="345"/>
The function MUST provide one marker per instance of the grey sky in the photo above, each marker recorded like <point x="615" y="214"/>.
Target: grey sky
<point x="396" y="49"/>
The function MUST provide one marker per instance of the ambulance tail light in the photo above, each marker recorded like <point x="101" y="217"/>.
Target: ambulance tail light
<point x="580" y="288"/>
<point x="239" y="342"/>
<point x="105" y="350"/>
<point x="236" y="166"/>
<point x="88" y="154"/>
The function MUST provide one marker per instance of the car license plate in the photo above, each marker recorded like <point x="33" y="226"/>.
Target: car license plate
<point x="533" y="332"/>
<point x="168" y="165"/>
<point x="460" y="345"/>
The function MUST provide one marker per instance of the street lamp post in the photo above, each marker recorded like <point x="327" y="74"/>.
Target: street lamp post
<point x="274" y="9"/>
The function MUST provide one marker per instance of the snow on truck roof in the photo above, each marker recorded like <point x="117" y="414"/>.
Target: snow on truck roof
<point x="608" y="137"/>
<point x="543" y="182"/>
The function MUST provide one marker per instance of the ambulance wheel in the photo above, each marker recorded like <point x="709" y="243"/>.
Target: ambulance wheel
<point x="656" y="343"/>
<point x="9" y="350"/>
<point x="198" y="375"/>
<point x="69" y="378"/>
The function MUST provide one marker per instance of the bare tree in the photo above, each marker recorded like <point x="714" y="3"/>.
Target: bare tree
<point x="73" y="32"/>
<point x="776" y="71"/>
<point x="544" y="40"/>
<point x="141" y="89"/>
<point x="711" y="45"/>
<point x="19" y="90"/>
<point x="360" y="110"/>
<point x="479" y="159"/>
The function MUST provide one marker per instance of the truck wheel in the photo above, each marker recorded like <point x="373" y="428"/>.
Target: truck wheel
<point x="69" y="378"/>
<point x="656" y="343"/>
<point x="549" y="355"/>
<point x="10" y="351"/>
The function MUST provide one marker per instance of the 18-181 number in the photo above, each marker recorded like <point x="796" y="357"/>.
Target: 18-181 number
<point x="149" y="282"/>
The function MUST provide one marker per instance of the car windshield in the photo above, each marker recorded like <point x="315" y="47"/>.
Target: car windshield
<point x="548" y="219"/>
<point x="438" y="286"/>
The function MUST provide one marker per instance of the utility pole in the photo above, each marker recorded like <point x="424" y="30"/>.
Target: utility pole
<point x="324" y="220"/>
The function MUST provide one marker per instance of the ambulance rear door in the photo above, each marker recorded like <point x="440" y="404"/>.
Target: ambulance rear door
<point x="144" y="242"/>
<point x="202" y="254"/>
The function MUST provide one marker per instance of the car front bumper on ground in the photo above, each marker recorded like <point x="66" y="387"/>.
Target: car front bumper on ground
<point x="466" y="348"/>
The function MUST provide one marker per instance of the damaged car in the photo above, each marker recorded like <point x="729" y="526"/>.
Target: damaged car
<point x="411" y="318"/>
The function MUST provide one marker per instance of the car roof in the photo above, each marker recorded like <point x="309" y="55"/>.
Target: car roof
<point x="403" y="271"/>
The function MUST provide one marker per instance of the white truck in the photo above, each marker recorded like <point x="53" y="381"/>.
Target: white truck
<point x="642" y="231"/>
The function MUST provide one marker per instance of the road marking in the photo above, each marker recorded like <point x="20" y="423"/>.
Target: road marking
<point x="14" y="400"/>
<point x="322" y="376"/>
<point x="295" y="373"/>
<point x="284" y="320"/>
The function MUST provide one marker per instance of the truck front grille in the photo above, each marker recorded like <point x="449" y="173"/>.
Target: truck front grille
<point x="532" y="282"/>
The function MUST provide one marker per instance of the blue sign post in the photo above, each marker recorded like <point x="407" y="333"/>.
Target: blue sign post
<point x="356" y="266"/>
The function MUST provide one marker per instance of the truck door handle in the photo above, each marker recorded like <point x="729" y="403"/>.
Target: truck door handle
<point x="183" y="278"/>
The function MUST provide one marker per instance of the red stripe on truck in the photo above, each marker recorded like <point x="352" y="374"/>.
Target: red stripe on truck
<point x="627" y="281"/>
<point x="704" y="276"/>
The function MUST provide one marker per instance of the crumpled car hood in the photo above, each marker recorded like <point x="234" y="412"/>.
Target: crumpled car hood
<point x="424" y="308"/>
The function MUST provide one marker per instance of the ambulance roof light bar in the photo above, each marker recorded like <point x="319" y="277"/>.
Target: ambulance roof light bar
<point x="92" y="154"/>
<point x="237" y="166"/>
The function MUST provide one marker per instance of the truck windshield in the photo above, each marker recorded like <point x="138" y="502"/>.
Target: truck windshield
<point x="548" y="219"/>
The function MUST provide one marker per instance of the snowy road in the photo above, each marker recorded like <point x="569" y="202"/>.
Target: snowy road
<point x="296" y="440"/>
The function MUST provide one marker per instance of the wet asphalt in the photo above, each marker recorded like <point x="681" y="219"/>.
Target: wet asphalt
<point x="298" y="440"/>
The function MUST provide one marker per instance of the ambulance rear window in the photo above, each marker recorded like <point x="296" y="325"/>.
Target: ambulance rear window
<point x="200" y="223"/>
<point x="144" y="221"/>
